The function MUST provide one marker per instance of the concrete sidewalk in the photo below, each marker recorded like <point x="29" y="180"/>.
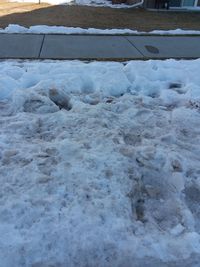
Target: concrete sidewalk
<point x="99" y="47"/>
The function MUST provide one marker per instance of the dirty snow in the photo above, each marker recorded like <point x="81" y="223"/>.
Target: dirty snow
<point x="99" y="164"/>
<point x="44" y="29"/>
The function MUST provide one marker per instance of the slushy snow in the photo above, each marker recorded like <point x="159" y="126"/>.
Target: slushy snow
<point x="99" y="163"/>
<point x="44" y="29"/>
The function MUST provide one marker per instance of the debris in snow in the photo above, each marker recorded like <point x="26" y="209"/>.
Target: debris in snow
<point x="60" y="99"/>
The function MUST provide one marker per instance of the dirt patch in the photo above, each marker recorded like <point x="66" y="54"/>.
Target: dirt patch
<point x="27" y="14"/>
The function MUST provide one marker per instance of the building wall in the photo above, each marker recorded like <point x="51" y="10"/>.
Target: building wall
<point x="155" y="3"/>
<point x="150" y="4"/>
<point x="175" y="3"/>
<point x="199" y="3"/>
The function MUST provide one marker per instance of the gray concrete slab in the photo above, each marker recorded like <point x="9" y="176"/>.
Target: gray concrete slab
<point x="20" y="45"/>
<point x="58" y="46"/>
<point x="167" y="47"/>
<point x="88" y="47"/>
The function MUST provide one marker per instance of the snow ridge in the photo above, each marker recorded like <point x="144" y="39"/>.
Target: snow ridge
<point x="43" y="29"/>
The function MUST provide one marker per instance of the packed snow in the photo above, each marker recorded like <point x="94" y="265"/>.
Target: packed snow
<point x="99" y="164"/>
<point x="44" y="29"/>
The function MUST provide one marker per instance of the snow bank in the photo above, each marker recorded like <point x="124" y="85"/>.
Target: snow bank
<point x="14" y="28"/>
<point x="99" y="163"/>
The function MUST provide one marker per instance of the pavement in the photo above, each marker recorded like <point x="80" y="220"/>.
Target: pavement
<point x="97" y="47"/>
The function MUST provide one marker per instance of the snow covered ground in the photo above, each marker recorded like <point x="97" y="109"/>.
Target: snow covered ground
<point x="97" y="3"/>
<point x="99" y="164"/>
<point x="14" y="28"/>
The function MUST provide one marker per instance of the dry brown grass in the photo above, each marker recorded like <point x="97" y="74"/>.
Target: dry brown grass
<point x="7" y="8"/>
<point x="28" y="14"/>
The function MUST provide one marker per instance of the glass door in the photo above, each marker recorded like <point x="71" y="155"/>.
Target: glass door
<point x="188" y="3"/>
